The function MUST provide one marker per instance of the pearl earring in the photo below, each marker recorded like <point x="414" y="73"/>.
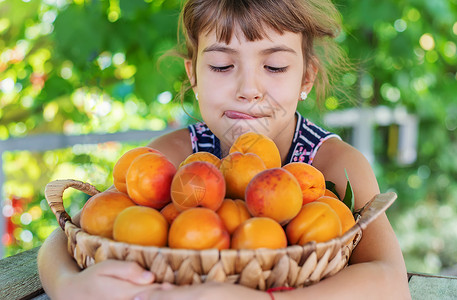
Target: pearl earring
<point x="303" y="96"/>
<point x="196" y="96"/>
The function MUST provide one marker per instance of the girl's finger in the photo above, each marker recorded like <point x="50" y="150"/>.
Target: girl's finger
<point x="129" y="271"/>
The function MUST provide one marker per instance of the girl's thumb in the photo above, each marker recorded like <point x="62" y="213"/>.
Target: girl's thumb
<point x="142" y="277"/>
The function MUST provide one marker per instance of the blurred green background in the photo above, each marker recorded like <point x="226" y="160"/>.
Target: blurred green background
<point x="92" y="67"/>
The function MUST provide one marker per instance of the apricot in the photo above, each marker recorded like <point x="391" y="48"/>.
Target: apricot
<point x="202" y="156"/>
<point x="198" y="183"/>
<point x="263" y="146"/>
<point x="238" y="170"/>
<point x="274" y="193"/>
<point x="123" y="164"/>
<point x="329" y="193"/>
<point x="198" y="228"/>
<point x="100" y="211"/>
<point x="149" y="179"/>
<point x="316" y="221"/>
<point x="141" y="225"/>
<point x="233" y="213"/>
<point x="311" y="180"/>
<point x="343" y="212"/>
<point x="170" y="212"/>
<point x="259" y="232"/>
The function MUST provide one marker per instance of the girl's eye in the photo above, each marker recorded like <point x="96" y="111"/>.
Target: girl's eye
<point x="220" y="69"/>
<point x="276" y="70"/>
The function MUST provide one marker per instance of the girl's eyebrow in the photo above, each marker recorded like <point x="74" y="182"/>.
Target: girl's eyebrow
<point x="225" y="49"/>
<point x="281" y="48"/>
<point x="219" y="48"/>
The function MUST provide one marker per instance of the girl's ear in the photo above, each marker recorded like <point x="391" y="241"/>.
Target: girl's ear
<point x="310" y="76"/>
<point x="190" y="71"/>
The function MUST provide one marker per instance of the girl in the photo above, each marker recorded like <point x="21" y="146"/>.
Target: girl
<point x="249" y="62"/>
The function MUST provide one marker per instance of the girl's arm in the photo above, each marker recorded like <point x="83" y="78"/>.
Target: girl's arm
<point x="59" y="273"/>
<point x="176" y="146"/>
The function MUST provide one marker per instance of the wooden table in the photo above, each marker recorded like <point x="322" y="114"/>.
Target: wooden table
<point x="19" y="280"/>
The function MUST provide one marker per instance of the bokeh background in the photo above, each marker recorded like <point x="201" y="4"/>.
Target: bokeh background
<point x="83" y="81"/>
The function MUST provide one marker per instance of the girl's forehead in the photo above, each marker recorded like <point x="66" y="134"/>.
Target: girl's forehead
<point x="270" y="37"/>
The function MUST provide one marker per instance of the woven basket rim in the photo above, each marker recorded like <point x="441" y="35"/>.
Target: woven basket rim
<point x="310" y="246"/>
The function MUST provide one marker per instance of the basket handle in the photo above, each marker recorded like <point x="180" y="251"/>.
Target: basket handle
<point x="372" y="209"/>
<point x="54" y="196"/>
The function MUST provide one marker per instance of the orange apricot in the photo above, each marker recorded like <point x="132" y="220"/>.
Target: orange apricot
<point x="123" y="164"/>
<point x="329" y="193"/>
<point x="259" y="232"/>
<point x="202" y="156"/>
<point x="311" y="180"/>
<point x="141" y="225"/>
<point x="238" y="170"/>
<point x="233" y="213"/>
<point x="343" y="212"/>
<point x="149" y="179"/>
<point x="170" y="212"/>
<point x="198" y="183"/>
<point x="198" y="228"/>
<point x="100" y="211"/>
<point x="316" y="221"/>
<point x="263" y="146"/>
<point x="274" y="193"/>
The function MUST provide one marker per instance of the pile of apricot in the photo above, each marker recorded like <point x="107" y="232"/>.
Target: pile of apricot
<point x="244" y="201"/>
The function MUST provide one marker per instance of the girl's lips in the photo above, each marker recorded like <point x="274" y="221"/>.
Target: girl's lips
<point x="238" y="115"/>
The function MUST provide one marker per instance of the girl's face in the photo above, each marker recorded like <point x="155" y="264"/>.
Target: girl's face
<point x="249" y="86"/>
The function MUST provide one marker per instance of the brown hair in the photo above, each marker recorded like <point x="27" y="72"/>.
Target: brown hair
<point x="317" y="20"/>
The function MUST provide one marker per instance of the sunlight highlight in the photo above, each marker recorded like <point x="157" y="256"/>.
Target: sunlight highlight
<point x="427" y="42"/>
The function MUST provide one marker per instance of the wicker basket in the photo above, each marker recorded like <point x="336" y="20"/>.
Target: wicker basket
<point x="294" y="266"/>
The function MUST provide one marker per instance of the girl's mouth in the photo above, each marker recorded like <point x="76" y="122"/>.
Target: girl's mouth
<point x="231" y="114"/>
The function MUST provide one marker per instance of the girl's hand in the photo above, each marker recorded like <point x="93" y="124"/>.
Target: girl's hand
<point x="210" y="291"/>
<point x="110" y="279"/>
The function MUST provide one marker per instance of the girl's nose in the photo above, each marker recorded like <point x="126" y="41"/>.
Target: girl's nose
<point x="249" y="87"/>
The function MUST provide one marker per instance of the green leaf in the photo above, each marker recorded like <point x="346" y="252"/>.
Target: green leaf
<point x="329" y="185"/>
<point x="349" y="195"/>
